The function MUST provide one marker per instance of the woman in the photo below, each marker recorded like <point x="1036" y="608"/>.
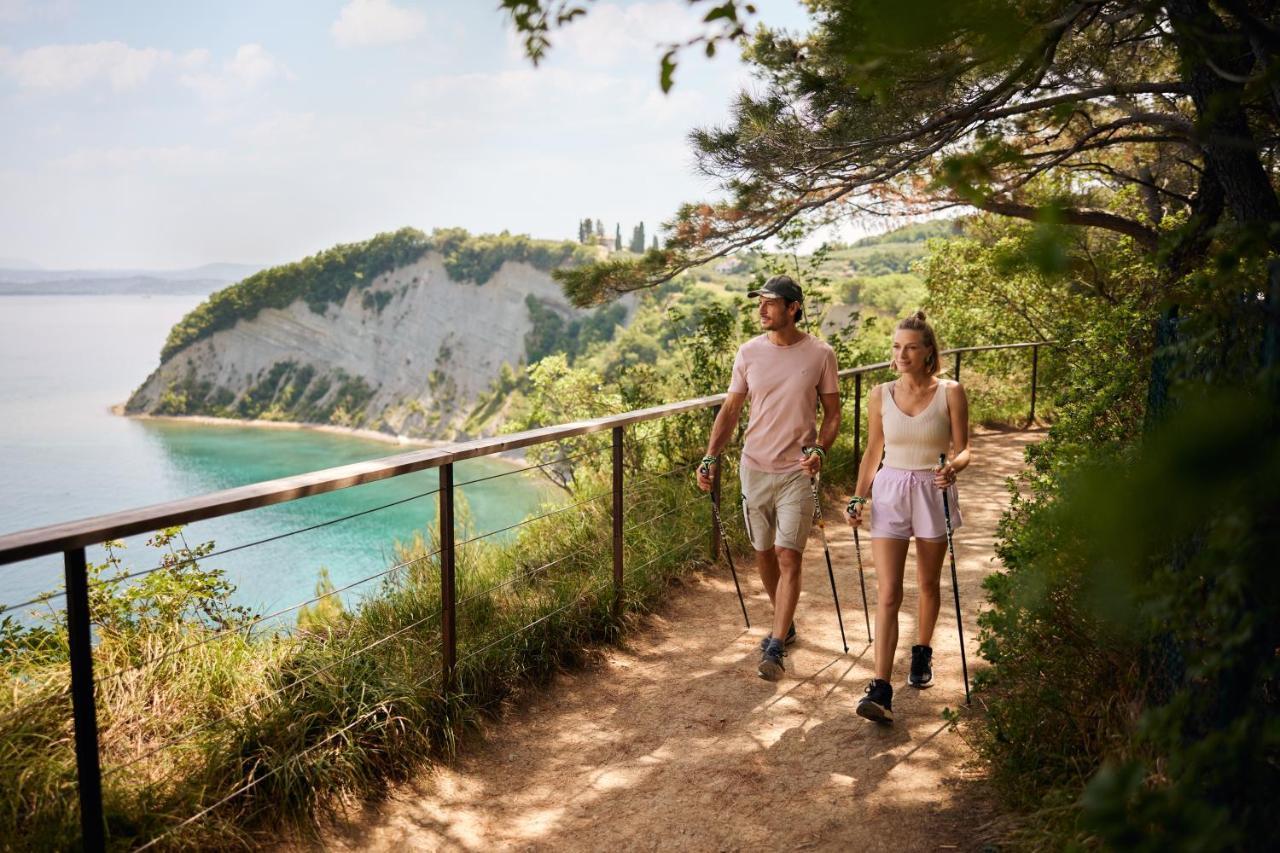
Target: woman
<point x="912" y="420"/>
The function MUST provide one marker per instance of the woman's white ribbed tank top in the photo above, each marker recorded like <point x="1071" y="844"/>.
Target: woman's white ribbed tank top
<point x="914" y="442"/>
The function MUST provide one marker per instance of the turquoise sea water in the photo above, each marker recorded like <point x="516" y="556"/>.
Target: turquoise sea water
<point x="64" y="361"/>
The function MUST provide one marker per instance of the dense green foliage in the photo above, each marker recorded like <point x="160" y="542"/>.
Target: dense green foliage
<point x="1131" y="699"/>
<point x="327" y="277"/>
<point x="551" y="333"/>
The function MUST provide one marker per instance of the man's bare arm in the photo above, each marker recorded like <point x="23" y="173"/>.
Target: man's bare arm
<point x="827" y="433"/>
<point x="726" y="422"/>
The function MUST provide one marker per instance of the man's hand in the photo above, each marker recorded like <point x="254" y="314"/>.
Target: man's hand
<point x="812" y="463"/>
<point x="706" y="470"/>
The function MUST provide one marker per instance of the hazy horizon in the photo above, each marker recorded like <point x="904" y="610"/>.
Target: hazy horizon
<point x="141" y="137"/>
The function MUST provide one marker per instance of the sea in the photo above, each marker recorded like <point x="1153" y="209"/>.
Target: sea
<point x="66" y="360"/>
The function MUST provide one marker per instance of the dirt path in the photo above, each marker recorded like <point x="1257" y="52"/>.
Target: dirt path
<point x="674" y="742"/>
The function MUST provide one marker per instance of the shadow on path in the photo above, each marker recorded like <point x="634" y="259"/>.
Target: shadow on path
<point x="674" y="742"/>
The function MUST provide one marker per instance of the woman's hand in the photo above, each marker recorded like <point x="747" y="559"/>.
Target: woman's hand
<point x="944" y="476"/>
<point x="853" y="512"/>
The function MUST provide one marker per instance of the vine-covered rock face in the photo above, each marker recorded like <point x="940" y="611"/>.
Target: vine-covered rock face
<point x="404" y="334"/>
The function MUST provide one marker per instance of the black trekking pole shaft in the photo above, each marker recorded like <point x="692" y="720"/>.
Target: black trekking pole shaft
<point x="826" y="552"/>
<point x="955" y="583"/>
<point x="862" y="581"/>
<point x="728" y="553"/>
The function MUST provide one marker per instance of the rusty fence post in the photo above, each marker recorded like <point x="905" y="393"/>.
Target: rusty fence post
<point x="448" y="586"/>
<point x="84" y="710"/>
<point x="857" y="424"/>
<point x="715" y="494"/>
<point x="1035" y="368"/>
<point x="617" y="521"/>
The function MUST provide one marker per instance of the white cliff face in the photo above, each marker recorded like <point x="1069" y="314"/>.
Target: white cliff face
<point x="408" y="355"/>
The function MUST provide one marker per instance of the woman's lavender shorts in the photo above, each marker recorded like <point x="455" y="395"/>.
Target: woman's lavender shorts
<point x="906" y="503"/>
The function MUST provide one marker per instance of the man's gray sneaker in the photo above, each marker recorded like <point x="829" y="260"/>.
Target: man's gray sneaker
<point x="791" y="638"/>
<point x="771" y="668"/>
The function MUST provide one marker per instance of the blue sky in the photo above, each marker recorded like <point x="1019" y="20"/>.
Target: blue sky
<point x="164" y="135"/>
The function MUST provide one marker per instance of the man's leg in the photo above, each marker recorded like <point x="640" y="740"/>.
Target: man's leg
<point x="787" y="567"/>
<point x="767" y="564"/>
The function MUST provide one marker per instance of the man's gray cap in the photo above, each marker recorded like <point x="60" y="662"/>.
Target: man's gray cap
<point x="779" y="287"/>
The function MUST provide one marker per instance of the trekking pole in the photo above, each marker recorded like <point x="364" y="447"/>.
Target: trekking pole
<point x="862" y="581"/>
<point x="728" y="552"/>
<point x="831" y="575"/>
<point x="955" y="583"/>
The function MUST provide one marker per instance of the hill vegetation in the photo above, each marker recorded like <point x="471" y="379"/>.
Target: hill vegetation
<point x="327" y="277"/>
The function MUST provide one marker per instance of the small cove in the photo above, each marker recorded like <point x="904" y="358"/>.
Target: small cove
<point x="64" y="361"/>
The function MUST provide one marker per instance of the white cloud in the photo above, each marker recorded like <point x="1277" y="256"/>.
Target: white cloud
<point x="251" y="66"/>
<point x="151" y="159"/>
<point x="612" y="35"/>
<point x="60" y="69"/>
<point x="12" y="11"/>
<point x="281" y="131"/>
<point x="67" y="67"/>
<point x="194" y="59"/>
<point x="362" y="23"/>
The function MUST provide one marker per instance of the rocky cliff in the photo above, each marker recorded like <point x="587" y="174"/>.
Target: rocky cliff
<point x="410" y="351"/>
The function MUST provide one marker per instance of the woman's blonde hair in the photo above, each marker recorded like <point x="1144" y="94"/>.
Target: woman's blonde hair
<point x="917" y="323"/>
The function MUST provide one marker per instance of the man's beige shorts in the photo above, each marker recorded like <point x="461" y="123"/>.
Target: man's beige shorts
<point x="777" y="509"/>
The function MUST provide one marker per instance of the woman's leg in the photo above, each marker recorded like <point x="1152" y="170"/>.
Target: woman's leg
<point x="891" y="561"/>
<point x="929" y="556"/>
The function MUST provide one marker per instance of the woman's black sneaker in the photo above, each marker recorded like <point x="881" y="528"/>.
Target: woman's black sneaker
<point x="921" y="674"/>
<point x="877" y="705"/>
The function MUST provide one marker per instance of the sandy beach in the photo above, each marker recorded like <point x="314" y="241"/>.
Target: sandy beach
<point x="512" y="457"/>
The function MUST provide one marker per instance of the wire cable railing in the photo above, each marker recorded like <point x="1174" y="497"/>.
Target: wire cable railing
<point x="527" y="574"/>
<point x="185" y="562"/>
<point x="593" y="588"/>
<point x="257" y="780"/>
<point x="241" y="629"/>
<point x="640" y="501"/>
<point x="292" y="685"/>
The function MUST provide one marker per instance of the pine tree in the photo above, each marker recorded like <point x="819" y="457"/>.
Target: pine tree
<point x="599" y="229"/>
<point x="617" y="238"/>
<point x="655" y="241"/>
<point x="637" y="239"/>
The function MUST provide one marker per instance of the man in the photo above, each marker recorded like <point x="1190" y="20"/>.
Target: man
<point x="784" y="373"/>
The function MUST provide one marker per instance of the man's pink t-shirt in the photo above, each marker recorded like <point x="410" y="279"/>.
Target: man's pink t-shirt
<point x="782" y="384"/>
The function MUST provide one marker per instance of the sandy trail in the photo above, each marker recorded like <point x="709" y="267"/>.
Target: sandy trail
<point x="674" y="742"/>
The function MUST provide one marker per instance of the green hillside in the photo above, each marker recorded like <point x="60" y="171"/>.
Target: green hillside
<point x="327" y="277"/>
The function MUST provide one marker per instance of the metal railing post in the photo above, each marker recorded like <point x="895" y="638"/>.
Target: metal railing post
<point x="1035" y="367"/>
<point x="715" y="497"/>
<point x="857" y="424"/>
<point x="83" y="708"/>
<point x="448" y="587"/>
<point x="956" y="377"/>
<point x="617" y="520"/>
